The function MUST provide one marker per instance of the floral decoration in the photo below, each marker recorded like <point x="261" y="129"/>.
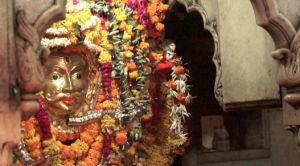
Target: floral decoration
<point x="143" y="94"/>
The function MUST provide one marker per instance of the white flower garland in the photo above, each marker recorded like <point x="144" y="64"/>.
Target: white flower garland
<point x="90" y="24"/>
<point x="80" y="6"/>
<point x="178" y="113"/>
<point x="57" y="31"/>
<point x="50" y="43"/>
<point x="92" y="47"/>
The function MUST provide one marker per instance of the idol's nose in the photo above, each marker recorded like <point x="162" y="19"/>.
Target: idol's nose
<point x="68" y="87"/>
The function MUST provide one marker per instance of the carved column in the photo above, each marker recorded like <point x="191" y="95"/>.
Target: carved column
<point x="22" y="25"/>
<point x="287" y="42"/>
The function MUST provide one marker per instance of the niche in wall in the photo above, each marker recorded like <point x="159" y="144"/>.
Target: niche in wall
<point x="196" y="47"/>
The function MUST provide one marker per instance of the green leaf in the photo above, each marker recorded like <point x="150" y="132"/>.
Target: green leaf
<point x="22" y="129"/>
<point x="153" y="70"/>
<point x="114" y="133"/>
<point x="132" y="22"/>
<point x="77" y="33"/>
<point x="181" y="148"/>
<point x="14" y="160"/>
<point x="142" y="154"/>
<point x="158" y="51"/>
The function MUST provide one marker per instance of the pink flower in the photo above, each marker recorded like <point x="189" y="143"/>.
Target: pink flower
<point x="103" y="21"/>
<point x="43" y="118"/>
<point x="75" y="2"/>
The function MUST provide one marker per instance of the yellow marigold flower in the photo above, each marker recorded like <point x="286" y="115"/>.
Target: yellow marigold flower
<point x="77" y="149"/>
<point x="35" y="153"/>
<point x="99" y="138"/>
<point x="129" y="30"/>
<point x="121" y="17"/>
<point x="134" y="74"/>
<point x="128" y="54"/>
<point x="147" y="115"/>
<point x="84" y="15"/>
<point x="114" y="146"/>
<point x="147" y="69"/>
<point x="126" y="36"/>
<point x="29" y="134"/>
<point x="104" y="57"/>
<point x="33" y="140"/>
<point x="131" y="151"/>
<point x="84" y="147"/>
<point x="117" y="11"/>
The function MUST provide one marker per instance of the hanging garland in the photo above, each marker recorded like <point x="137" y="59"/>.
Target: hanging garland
<point x="141" y="103"/>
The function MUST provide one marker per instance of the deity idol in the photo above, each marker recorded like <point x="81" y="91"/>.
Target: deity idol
<point x="67" y="79"/>
<point x="107" y="99"/>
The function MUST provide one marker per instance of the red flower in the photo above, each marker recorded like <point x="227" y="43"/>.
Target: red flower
<point x="164" y="66"/>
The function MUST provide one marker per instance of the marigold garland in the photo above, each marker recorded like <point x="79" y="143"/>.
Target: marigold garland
<point x="127" y="36"/>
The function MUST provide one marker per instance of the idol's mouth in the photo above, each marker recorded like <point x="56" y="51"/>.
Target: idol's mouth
<point x="68" y="100"/>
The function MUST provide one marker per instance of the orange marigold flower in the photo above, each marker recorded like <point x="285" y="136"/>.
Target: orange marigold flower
<point x="140" y="27"/>
<point x="135" y="16"/>
<point x="114" y="161"/>
<point x="100" y="98"/>
<point x="125" y="1"/>
<point x="113" y="93"/>
<point x="132" y="66"/>
<point x="94" y="153"/>
<point x="82" y="163"/>
<point x="114" y="83"/>
<point x="97" y="146"/>
<point x="62" y="137"/>
<point x="181" y="96"/>
<point x="97" y="106"/>
<point x="153" y="56"/>
<point x="68" y="162"/>
<point x="71" y="152"/>
<point x="144" y="45"/>
<point x="154" y="19"/>
<point x="172" y="84"/>
<point x="163" y="8"/>
<point x="89" y="161"/>
<point x="19" y="164"/>
<point x="94" y="133"/>
<point x="179" y="70"/>
<point x="152" y="33"/>
<point x="85" y="137"/>
<point x="159" y="27"/>
<point x="151" y="10"/>
<point x="121" y="138"/>
<point x="144" y="36"/>
<point x="123" y="26"/>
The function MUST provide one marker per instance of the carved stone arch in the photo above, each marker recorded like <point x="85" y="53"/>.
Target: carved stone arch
<point x="210" y="26"/>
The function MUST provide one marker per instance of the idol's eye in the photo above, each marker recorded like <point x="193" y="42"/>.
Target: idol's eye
<point x="78" y="76"/>
<point x="55" y="76"/>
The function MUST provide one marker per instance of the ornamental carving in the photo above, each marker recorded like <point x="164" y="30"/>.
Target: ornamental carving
<point x="20" y="64"/>
<point x="287" y="42"/>
<point x="210" y="26"/>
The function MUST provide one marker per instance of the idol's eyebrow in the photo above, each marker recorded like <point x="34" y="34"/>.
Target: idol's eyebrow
<point x="56" y="68"/>
<point x="79" y="67"/>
